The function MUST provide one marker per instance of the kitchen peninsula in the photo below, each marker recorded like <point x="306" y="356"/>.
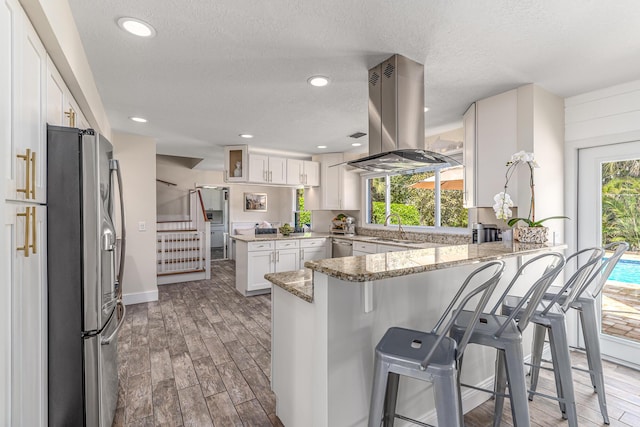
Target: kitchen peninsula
<point x="327" y="320"/>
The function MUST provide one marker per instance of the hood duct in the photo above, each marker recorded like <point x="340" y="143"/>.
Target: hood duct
<point x="396" y="120"/>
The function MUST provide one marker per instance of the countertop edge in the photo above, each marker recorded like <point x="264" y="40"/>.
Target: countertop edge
<point x="298" y="283"/>
<point x="420" y="268"/>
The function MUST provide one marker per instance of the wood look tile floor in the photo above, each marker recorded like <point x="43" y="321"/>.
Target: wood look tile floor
<point x="201" y="355"/>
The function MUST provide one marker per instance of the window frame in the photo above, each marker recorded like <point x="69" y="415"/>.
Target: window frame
<point x="437" y="214"/>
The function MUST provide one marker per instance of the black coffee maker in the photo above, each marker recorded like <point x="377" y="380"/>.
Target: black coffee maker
<point x="486" y="233"/>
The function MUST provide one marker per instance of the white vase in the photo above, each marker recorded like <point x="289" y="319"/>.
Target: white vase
<point x="531" y="234"/>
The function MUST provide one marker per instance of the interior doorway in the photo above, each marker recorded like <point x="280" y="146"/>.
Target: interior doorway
<point x="216" y="205"/>
<point x="609" y="210"/>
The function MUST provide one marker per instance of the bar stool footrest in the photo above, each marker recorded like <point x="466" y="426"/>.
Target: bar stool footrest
<point x="411" y="420"/>
<point x="486" y="390"/>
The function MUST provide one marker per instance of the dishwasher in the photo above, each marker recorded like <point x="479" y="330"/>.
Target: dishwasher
<point x="341" y="248"/>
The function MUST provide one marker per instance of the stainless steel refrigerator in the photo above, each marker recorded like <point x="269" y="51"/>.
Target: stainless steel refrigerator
<point x="85" y="265"/>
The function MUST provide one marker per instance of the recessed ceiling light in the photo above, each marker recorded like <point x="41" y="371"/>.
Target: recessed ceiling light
<point x="318" y="81"/>
<point x="322" y="146"/>
<point x="138" y="119"/>
<point x="356" y="144"/>
<point x="136" y="27"/>
<point x="245" y="135"/>
<point x="426" y="109"/>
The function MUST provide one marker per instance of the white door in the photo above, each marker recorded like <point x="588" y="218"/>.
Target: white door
<point x="609" y="210"/>
<point x="24" y="225"/>
<point x="277" y="170"/>
<point x="258" y="168"/>
<point x="258" y="264"/>
<point x="312" y="254"/>
<point x="287" y="259"/>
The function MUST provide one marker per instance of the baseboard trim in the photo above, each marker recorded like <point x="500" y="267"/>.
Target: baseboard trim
<point x="140" y="297"/>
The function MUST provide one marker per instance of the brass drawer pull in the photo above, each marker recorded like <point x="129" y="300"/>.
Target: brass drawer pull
<point x="33" y="245"/>
<point x="25" y="247"/>
<point x="27" y="159"/>
<point x="33" y="176"/>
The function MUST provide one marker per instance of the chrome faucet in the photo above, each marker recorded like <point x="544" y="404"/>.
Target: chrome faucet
<point x="387" y="221"/>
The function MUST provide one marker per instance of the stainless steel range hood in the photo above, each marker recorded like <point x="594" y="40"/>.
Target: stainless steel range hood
<point x="396" y="120"/>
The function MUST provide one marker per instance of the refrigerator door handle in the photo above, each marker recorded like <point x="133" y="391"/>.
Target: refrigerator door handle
<point x="106" y="341"/>
<point x="115" y="166"/>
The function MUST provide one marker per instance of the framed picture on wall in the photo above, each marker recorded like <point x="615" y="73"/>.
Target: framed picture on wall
<point x="255" y="202"/>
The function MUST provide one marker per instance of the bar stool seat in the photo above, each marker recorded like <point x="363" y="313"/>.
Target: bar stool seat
<point x="429" y="356"/>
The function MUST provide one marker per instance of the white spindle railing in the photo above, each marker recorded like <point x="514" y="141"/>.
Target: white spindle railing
<point x="181" y="251"/>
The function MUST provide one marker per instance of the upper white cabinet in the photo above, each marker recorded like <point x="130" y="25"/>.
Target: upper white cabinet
<point x="236" y="163"/>
<point x="339" y="188"/>
<point x="62" y="109"/>
<point x="469" y="156"/>
<point x="267" y="170"/>
<point x="524" y="119"/>
<point x="303" y="172"/>
<point x="24" y="67"/>
<point x="491" y="137"/>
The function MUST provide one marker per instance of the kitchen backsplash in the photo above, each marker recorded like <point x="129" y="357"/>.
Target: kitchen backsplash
<point x="391" y="232"/>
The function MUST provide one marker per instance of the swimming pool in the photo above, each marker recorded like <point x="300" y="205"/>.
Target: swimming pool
<point x="627" y="271"/>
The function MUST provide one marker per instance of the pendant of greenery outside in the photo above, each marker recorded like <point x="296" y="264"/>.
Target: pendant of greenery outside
<point x="503" y="204"/>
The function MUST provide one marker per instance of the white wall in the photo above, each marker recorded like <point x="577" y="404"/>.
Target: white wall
<point x="280" y="200"/>
<point x="540" y="130"/>
<point x="602" y="117"/>
<point x="134" y="152"/>
<point x="280" y="203"/>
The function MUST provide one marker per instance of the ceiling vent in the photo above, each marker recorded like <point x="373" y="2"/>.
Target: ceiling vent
<point x="357" y="135"/>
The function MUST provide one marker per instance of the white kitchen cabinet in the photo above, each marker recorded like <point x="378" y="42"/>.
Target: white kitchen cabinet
<point x="255" y="259"/>
<point x="24" y="62"/>
<point x="339" y="188"/>
<point x="259" y="263"/>
<point x="267" y="170"/>
<point x="287" y="260"/>
<point x="62" y="109"/>
<point x="469" y="156"/>
<point x="236" y="162"/>
<point x="303" y="172"/>
<point x="24" y="286"/>
<point x="287" y="255"/>
<point x="312" y="249"/>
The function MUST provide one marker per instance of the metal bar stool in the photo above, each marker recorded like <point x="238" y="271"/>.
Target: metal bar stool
<point x="583" y="299"/>
<point x="429" y="356"/>
<point x="505" y="335"/>
<point x="550" y="317"/>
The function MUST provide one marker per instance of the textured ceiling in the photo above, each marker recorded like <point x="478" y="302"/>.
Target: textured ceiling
<point x="220" y="68"/>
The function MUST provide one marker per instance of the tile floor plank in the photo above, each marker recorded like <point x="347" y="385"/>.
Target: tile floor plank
<point x="194" y="408"/>
<point x="166" y="406"/>
<point x="223" y="411"/>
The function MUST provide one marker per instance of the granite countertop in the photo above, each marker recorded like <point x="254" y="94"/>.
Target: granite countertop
<point x="394" y="264"/>
<point x="261" y="237"/>
<point x="299" y="282"/>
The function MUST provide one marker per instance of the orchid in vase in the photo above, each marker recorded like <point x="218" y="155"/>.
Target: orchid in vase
<point x="503" y="200"/>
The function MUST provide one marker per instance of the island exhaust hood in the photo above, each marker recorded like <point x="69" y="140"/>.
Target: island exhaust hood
<point x="396" y="120"/>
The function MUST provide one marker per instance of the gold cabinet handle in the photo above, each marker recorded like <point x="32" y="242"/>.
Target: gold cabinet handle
<point x="27" y="158"/>
<point x="33" y="245"/>
<point x="33" y="176"/>
<point x="25" y="247"/>
<point x="71" y="114"/>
